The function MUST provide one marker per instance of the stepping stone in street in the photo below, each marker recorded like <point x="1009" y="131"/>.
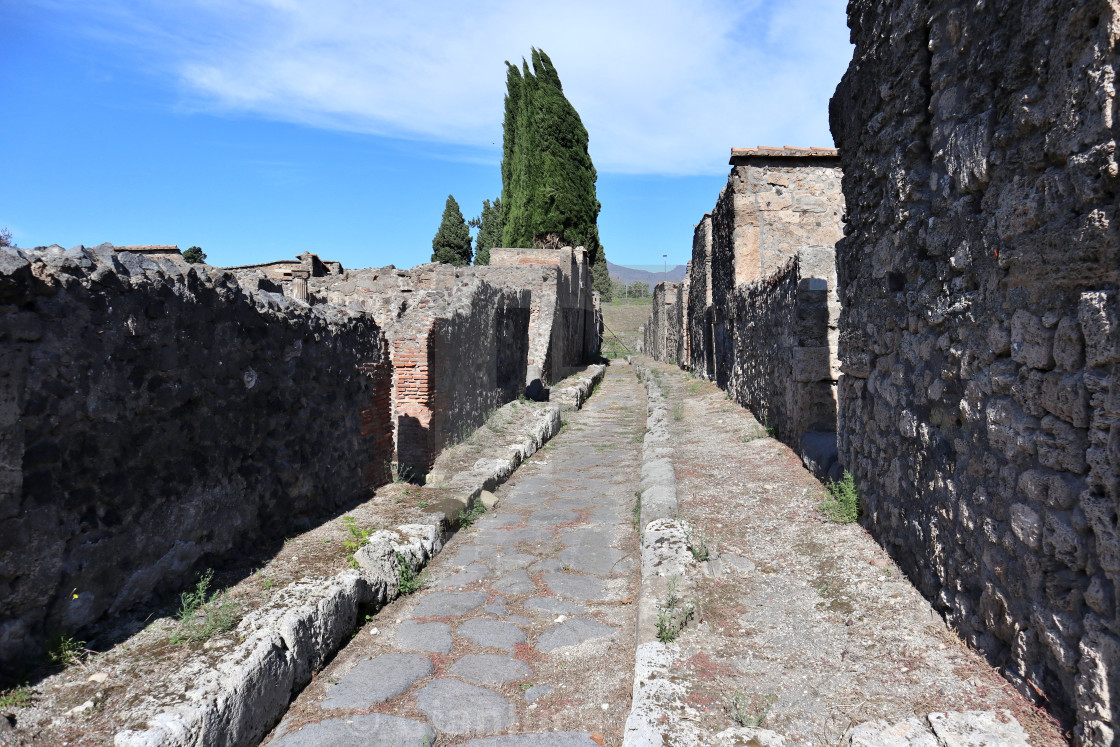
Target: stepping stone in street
<point x="576" y="586"/>
<point x="536" y="692"/>
<point x="548" y="564"/>
<point x="591" y="559"/>
<point x="471" y="554"/>
<point x="586" y="536"/>
<point x="572" y="633"/>
<point x="469" y="575"/>
<point x="552" y="517"/>
<point x="490" y="669"/>
<point x="378" y="680"/>
<point x="492" y="633"/>
<point x="552" y="739"/>
<point x="433" y="637"/>
<point x="553" y="605"/>
<point x="517" y="582"/>
<point x="509" y="561"/>
<point x="455" y="707"/>
<point x="375" y="730"/>
<point x="508" y="537"/>
<point x="450" y="603"/>
<point x="570" y="503"/>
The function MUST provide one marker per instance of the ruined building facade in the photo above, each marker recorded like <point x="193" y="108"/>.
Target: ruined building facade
<point x="157" y="415"/>
<point x="758" y="310"/>
<point x="980" y="331"/>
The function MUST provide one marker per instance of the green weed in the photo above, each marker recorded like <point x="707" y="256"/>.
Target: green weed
<point x="678" y="411"/>
<point x="407" y="579"/>
<point x="466" y="518"/>
<point x="65" y="650"/>
<point x="637" y="510"/>
<point x="842" y="505"/>
<point x="356" y="536"/>
<point x="699" y="542"/>
<point x="747" y="712"/>
<point x="16" y="697"/>
<point x="203" y="615"/>
<point x="673" y="613"/>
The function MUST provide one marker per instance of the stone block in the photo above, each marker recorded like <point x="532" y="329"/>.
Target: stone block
<point x="1100" y="324"/>
<point x="812" y="364"/>
<point x="1032" y="344"/>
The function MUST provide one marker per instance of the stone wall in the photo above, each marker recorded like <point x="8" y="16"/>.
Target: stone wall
<point x="699" y="326"/>
<point x="662" y="332"/>
<point x="155" y="416"/>
<point x="980" y="331"/>
<point x="758" y="311"/>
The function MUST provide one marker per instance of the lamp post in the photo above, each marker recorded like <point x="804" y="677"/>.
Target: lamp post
<point x="665" y="257"/>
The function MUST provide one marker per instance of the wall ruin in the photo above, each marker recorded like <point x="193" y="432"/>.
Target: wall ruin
<point x="980" y="330"/>
<point x="758" y="312"/>
<point x="156" y="415"/>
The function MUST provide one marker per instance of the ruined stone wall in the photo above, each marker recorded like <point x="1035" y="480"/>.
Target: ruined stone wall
<point x="663" y="330"/>
<point x="980" y="331"/>
<point x="458" y="340"/>
<point x="784" y="365"/>
<point x="564" y="325"/>
<point x="155" y="416"/>
<point x="698" y="325"/>
<point x="777" y="201"/>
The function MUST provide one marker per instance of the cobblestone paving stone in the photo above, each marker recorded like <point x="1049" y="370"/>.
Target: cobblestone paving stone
<point x="524" y="632"/>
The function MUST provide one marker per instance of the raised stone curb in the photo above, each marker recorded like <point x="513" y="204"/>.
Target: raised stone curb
<point x="237" y="700"/>
<point x="664" y="555"/>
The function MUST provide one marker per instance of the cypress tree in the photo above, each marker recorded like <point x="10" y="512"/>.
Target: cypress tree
<point x="548" y="179"/>
<point x="452" y="242"/>
<point x="489" y="226"/>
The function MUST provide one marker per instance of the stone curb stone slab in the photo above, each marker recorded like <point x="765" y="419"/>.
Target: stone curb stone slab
<point x="492" y="633"/>
<point x="572" y="633"/>
<point x="375" y="730"/>
<point x="455" y="707"/>
<point x="490" y="669"/>
<point x="552" y="739"/>
<point x="434" y="637"/>
<point x="377" y="680"/>
<point x="450" y="603"/>
<point x="575" y="586"/>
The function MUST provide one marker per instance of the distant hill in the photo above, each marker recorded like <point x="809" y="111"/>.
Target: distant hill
<point x="630" y="274"/>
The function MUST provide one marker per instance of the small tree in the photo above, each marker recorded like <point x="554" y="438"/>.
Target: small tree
<point x="638" y="289"/>
<point x="489" y="226"/>
<point x="618" y="288"/>
<point x="5" y="237"/>
<point x="195" y="255"/>
<point x="452" y="242"/>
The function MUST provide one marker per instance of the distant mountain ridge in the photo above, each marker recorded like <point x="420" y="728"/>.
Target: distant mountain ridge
<point x="630" y="274"/>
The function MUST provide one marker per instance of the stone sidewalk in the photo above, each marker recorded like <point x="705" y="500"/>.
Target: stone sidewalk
<point x="524" y="632"/>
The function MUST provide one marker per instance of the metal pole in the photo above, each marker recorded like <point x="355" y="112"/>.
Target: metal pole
<point x="666" y="271"/>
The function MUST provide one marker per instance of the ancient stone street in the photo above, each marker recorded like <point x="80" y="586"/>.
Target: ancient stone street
<point x="525" y="627"/>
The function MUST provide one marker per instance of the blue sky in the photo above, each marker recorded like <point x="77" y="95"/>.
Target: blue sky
<point x="258" y="129"/>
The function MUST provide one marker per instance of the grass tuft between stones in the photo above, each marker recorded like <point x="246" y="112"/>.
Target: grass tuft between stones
<point x="842" y="505"/>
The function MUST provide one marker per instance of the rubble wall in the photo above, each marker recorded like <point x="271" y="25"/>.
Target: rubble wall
<point x="698" y="326"/>
<point x="980" y="330"/>
<point x="783" y="368"/>
<point x="154" y="417"/>
<point x="663" y="330"/>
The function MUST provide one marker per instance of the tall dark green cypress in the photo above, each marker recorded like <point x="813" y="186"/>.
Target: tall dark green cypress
<point x="452" y="242"/>
<point x="489" y="225"/>
<point x="548" y="179"/>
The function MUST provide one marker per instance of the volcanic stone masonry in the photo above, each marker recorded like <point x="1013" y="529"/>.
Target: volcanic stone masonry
<point x="758" y="310"/>
<point x="156" y="416"/>
<point x="980" y="328"/>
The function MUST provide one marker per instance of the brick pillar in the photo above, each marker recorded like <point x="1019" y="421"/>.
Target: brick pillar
<point x="413" y="390"/>
<point x="377" y="421"/>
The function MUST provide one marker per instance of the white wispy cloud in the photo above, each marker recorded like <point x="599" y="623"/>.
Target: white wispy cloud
<point x="664" y="86"/>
